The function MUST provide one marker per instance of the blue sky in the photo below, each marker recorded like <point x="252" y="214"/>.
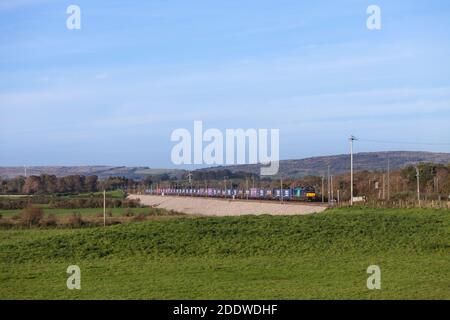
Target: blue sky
<point x="112" y="92"/>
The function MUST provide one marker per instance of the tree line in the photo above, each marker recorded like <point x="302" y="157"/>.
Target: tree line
<point x="51" y="184"/>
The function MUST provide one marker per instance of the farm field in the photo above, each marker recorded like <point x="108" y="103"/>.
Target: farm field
<point x="44" y="202"/>
<point x="83" y="211"/>
<point x="117" y="194"/>
<point x="321" y="256"/>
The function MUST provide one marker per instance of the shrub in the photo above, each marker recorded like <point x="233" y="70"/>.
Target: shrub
<point x="108" y="214"/>
<point x="156" y="212"/>
<point x="5" y="224"/>
<point x="50" y="221"/>
<point x="128" y="213"/>
<point x="32" y="215"/>
<point x="93" y="203"/>
<point x="112" y="222"/>
<point x="140" y="217"/>
<point x="162" y="212"/>
<point x="10" y="204"/>
<point x="75" y="220"/>
<point x="22" y="203"/>
<point x="131" y="203"/>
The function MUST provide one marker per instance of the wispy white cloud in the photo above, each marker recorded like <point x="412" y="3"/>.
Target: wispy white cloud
<point x="160" y="65"/>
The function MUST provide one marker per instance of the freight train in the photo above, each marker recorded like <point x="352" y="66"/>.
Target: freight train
<point x="299" y="193"/>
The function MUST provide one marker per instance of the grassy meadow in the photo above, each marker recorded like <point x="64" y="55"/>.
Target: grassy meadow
<point x="322" y="256"/>
<point x="45" y="203"/>
<point x="87" y="212"/>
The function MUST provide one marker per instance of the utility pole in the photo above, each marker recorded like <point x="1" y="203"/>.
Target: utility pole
<point x="351" y="139"/>
<point x="418" y="184"/>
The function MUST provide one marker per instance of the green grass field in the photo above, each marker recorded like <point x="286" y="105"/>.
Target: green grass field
<point x="323" y="256"/>
<point x="116" y="194"/>
<point x="84" y="212"/>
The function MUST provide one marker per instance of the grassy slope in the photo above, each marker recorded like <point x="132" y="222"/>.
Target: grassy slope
<point x="84" y="211"/>
<point x="117" y="194"/>
<point x="265" y="257"/>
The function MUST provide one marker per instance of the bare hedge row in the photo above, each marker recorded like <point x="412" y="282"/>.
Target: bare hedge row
<point x="94" y="203"/>
<point x="34" y="217"/>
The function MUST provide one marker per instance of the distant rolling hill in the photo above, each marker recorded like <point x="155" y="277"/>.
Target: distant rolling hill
<point x="100" y="171"/>
<point x="288" y="168"/>
<point x="341" y="163"/>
